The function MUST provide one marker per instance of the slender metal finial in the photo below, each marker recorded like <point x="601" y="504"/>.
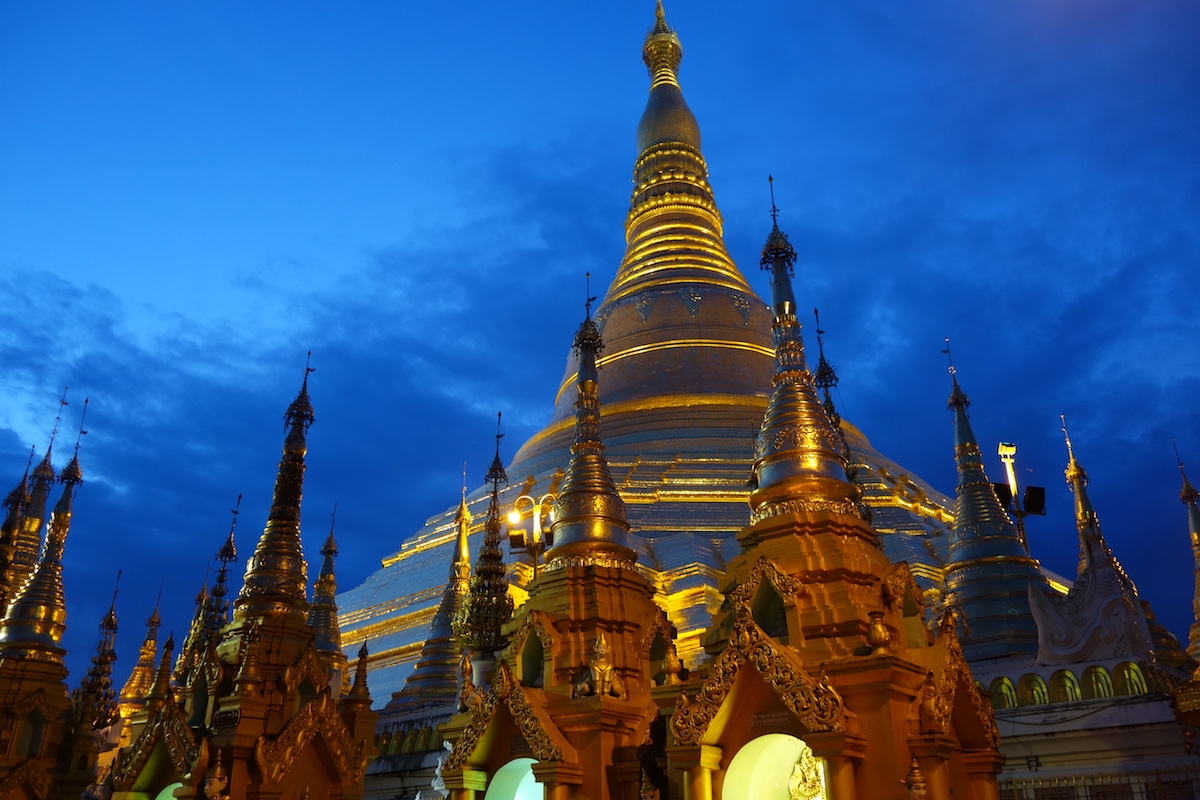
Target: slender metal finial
<point x="464" y="481"/>
<point x="1067" y="436"/>
<point x="308" y="367"/>
<point x="820" y="333"/>
<point x="774" y="210"/>
<point x="1178" y="458"/>
<point x="161" y="582"/>
<point x="58" y="419"/>
<point x="82" y="430"/>
<point x="332" y="519"/>
<point x="117" y="588"/>
<point x="587" y="277"/>
<point x="29" y="463"/>
<point x="949" y="357"/>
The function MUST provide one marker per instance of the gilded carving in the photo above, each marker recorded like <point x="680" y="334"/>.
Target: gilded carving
<point x="941" y="687"/>
<point x="587" y="561"/>
<point x="815" y="703"/>
<point x="167" y="727"/>
<point x="802" y="506"/>
<point x="276" y="755"/>
<point x="897" y="580"/>
<point x="25" y="706"/>
<point x="29" y="773"/>
<point x="505" y="691"/>
<point x="307" y="666"/>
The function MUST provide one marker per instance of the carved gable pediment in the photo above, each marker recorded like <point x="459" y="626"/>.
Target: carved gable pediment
<point x="277" y="754"/>
<point x="814" y="702"/>
<point x="167" y="730"/>
<point x="528" y="712"/>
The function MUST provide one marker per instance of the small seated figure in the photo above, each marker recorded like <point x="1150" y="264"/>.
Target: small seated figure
<point x="601" y="678"/>
<point x="468" y="696"/>
<point x="914" y="782"/>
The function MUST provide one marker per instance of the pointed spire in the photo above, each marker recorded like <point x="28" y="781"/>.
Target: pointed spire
<point x="435" y="674"/>
<point x="195" y="643"/>
<point x="589" y="516"/>
<point x="160" y="691"/>
<point x="359" y="696"/>
<point x="16" y="502"/>
<point x="28" y="539"/>
<point x="799" y="460"/>
<point x="322" y="614"/>
<point x="218" y="607"/>
<point x="276" y="579"/>
<point x="487" y="606"/>
<point x="1092" y="547"/>
<point x="1191" y="498"/>
<point x="460" y="566"/>
<point x="141" y="677"/>
<point x="989" y="570"/>
<point x="94" y="703"/>
<point x="36" y="620"/>
<point x="825" y="377"/>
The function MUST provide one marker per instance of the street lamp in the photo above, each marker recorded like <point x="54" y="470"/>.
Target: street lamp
<point x="534" y="543"/>
<point x="1034" y="500"/>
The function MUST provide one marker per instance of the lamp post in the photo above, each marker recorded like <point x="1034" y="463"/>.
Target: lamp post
<point x="536" y="542"/>
<point x="1034" y="500"/>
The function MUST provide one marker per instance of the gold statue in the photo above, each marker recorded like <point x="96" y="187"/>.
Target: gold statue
<point x="468" y="696"/>
<point x="216" y="781"/>
<point x="601" y="678"/>
<point x="914" y="782"/>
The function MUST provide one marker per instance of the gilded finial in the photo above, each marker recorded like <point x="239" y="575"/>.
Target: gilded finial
<point x="461" y="565"/>
<point x="778" y="251"/>
<point x="825" y="376"/>
<point x="662" y="51"/>
<point x="1075" y="473"/>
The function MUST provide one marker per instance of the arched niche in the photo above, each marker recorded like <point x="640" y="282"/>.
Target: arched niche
<point x="1004" y="694"/>
<point x="768" y="611"/>
<point x="1096" y="683"/>
<point x="1128" y="679"/>
<point x="1032" y="691"/>
<point x="514" y="781"/>
<point x="532" y="661"/>
<point x="29" y="738"/>
<point x="775" y="766"/>
<point x="1064" y="688"/>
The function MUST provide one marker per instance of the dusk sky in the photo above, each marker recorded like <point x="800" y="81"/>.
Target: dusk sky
<point x="194" y="195"/>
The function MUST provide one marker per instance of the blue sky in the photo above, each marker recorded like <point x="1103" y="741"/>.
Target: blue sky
<point x="194" y="195"/>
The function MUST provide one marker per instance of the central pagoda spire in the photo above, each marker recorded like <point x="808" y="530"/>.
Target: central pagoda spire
<point x="679" y="311"/>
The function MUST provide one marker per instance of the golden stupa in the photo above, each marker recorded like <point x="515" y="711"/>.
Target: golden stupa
<point x="685" y="376"/>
